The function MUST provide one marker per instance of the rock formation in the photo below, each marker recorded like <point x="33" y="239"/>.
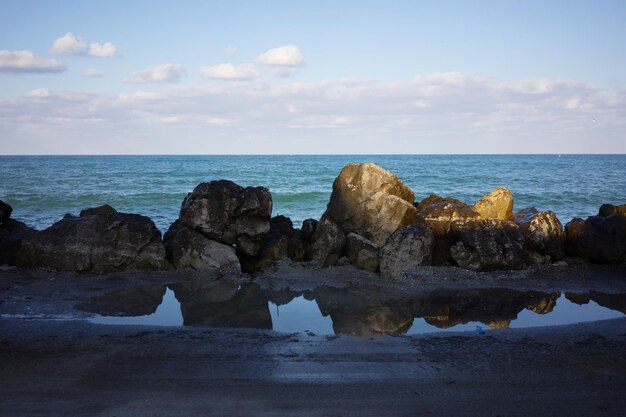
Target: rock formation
<point x="187" y="248"/>
<point x="219" y="222"/>
<point x="438" y="213"/>
<point x="371" y="202"/>
<point x="12" y="232"/>
<point x="327" y="242"/>
<point x="100" y="240"/>
<point x="5" y="211"/>
<point x="543" y="232"/>
<point x="361" y="252"/>
<point x="498" y="204"/>
<point x="282" y="241"/>
<point x="484" y="245"/>
<point x="599" y="238"/>
<point x="406" y="248"/>
<point x="228" y="213"/>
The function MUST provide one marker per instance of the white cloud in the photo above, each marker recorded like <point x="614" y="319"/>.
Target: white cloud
<point x="27" y="61"/>
<point x="431" y="113"/>
<point x="285" y="56"/>
<point x="164" y="73"/>
<point x="39" y="93"/>
<point x="230" y="72"/>
<point x="230" y="50"/>
<point x="92" y="73"/>
<point x="70" y="44"/>
<point x="102" y="51"/>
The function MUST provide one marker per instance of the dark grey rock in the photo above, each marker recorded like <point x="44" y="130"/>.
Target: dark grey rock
<point x="228" y="213"/>
<point x="597" y="239"/>
<point x="187" y="248"/>
<point x="5" y="211"/>
<point x="100" y="240"/>
<point x="484" y="245"/>
<point x="12" y="232"/>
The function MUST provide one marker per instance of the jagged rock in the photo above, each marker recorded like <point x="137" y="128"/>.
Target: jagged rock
<point x="543" y="232"/>
<point x="327" y="242"/>
<point x="406" y="248"/>
<point x="187" y="248"/>
<point x="228" y="213"/>
<point x="100" y="240"/>
<point x="597" y="239"/>
<point x="308" y="229"/>
<point x="609" y="209"/>
<point x="370" y="201"/>
<point x="361" y="252"/>
<point x="12" y="232"/>
<point x="437" y="213"/>
<point x="484" y="245"/>
<point x="5" y="211"/>
<point x="282" y="241"/>
<point x="498" y="204"/>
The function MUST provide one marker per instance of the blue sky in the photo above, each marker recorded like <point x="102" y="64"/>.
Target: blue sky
<point x="312" y="77"/>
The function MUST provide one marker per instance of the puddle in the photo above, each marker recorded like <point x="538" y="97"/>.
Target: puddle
<point x="355" y="311"/>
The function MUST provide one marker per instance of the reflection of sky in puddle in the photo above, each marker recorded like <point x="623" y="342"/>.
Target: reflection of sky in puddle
<point x="300" y="315"/>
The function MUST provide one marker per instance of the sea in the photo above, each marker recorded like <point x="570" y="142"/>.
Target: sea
<point x="42" y="189"/>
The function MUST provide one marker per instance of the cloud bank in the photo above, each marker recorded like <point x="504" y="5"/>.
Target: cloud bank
<point x="27" y="61"/>
<point x="431" y="113"/>
<point x="164" y="73"/>
<point x="230" y="72"/>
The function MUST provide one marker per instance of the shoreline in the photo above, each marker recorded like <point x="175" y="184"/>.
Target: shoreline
<point x="77" y="368"/>
<point x="82" y="369"/>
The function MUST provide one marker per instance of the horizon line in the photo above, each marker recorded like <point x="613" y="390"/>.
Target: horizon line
<point x="320" y="154"/>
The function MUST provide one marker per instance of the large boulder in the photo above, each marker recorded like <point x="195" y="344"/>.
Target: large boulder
<point x="371" y="202"/>
<point x="308" y="229"/>
<point x="543" y="232"/>
<point x="437" y="213"/>
<point x="361" y="252"/>
<point x="228" y="213"/>
<point x="406" y="248"/>
<point x="100" y="240"/>
<point x="12" y="232"/>
<point x="598" y="239"/>
<point x="327" y="242"/>
<point x="498" y="204"/>
<point x="609" y="209"/>
<point x="484" y="245"/>
<point x="187" y="248"/>
<point x="5" y="211"/>
<point x="282" y="241"/>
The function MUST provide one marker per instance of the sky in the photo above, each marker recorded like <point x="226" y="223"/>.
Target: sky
<point x="312" y="77"/>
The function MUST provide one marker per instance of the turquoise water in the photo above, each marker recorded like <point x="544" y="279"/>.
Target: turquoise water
<point x="42" y="189"/>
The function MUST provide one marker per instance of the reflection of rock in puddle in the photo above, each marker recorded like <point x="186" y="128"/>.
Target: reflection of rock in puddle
<point x="376" y="313"/>
<point x="223" y="304"/>
<point x="139" y="301"/>
<point x="615" y="302"/>
<point x="355" y="311"/>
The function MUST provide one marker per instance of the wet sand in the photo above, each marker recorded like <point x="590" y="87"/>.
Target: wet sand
<point x="51" y="367"/>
